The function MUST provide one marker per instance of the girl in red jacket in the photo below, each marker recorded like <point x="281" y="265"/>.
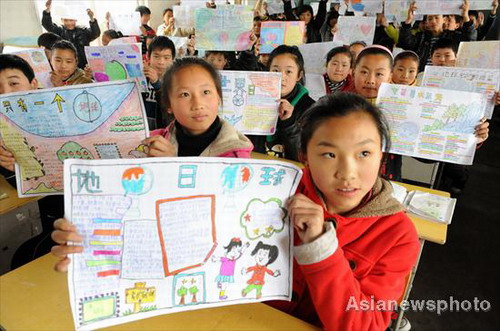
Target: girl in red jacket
<point x="354" y="245"/>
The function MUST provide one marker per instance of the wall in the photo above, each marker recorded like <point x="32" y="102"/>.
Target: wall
<point x="18" y="19"/>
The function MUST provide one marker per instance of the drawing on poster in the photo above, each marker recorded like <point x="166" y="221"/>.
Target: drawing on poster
<point x="139" y="296"/>
<point x="99" y="307"/>
<point x="263" y="218"/>
<point x="40" y="65"/>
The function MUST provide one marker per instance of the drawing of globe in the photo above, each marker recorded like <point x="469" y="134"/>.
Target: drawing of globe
<point x="407" y="131"/>
<point x="87" y="107"/>
<point x="236" y="177"/>
<point x="137" y="180"/>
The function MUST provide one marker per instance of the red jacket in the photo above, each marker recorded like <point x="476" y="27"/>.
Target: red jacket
<point x="366" y="256"/>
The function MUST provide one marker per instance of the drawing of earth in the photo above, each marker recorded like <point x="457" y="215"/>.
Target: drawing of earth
<point x="137" y="180"/>
<point x="407" y="132"/>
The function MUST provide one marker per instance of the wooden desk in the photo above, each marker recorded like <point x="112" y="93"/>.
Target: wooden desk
<point x="12" y="201"/>
<point x="34" y="297"/>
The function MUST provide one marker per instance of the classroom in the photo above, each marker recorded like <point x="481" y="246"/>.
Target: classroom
<point x="249" y="164"/>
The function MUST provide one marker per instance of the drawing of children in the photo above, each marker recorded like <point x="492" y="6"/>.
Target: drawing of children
<point x="234" y="250"/>
<point x="264" y="256"/>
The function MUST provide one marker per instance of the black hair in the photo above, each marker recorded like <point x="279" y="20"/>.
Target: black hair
<point x="474" y="13"/>
<point x="167" y="10"/>
<point x="296" y="54"/>
<point x="273" y="251"/>
<point x="407" y="55"/>
<point x="160" y="43"/>
<point x="340" y="50"/>
<point x="374" y="50"/>
<point x="11" y="61"/>
<point x="183" y="63"/>
<point x="445" y="43"/>
<point x="223" y="53"/>
<point x="143" y="10"/>
<point x="332" y="15"/>
<point x="64" y="44"/>
<point x="302" y="9"/>
<point x="458" y="18"/>
<point x="235" y="242"/>
<point x="48" y="39"/>
<point x="113" y="34"/>
<point x="340" y="105"/>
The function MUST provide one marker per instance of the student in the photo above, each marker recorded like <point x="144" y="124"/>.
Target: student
<point x="356" y="47"/>
<point x="405" y="68"/>
<point x="338" y="70"/>
<point x="161" y="55"/>
<point x="192" y="92"/>
<point x="64" y="61"/>
<point x="305" y="14"/>
<point x="218" y="59"/>
<point x="353" y="241"/>
<point x="46" y="41"/>
<point x="167" y="27"/>
<point x="77" y="35"/>
<point x="109" y="35"/>
<point x="146" y="30"/>
<point x="295" y="100"/>
<point x="444" y="54"/>
<point x="16" y="75"/>
<point x="482" y="30"/>
<point x="329" y="28"/>
<point x="452" y="22"/>
<point x="423" y="42"/>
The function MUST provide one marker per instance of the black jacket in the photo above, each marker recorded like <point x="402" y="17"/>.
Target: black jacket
<point x="313" y="29"/>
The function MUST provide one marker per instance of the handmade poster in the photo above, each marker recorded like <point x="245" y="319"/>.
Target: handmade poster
<point x="429" y="123"/>
<point x="480" y="4"/>
<point x="226" y="28"/>
<point x="397" y="10"/>
<point x="38" y="61"/>
<point x="43" y="128"/>
<point x="275" y="33"/>
<point x="251" y="100"/>
<point x="479" y="54"/>
<point x="70" y="9"/>
<point x="355" y="28"/>
<point x="179" y="41"/>
<point x="275" y="7"/>
<point x="126" y="23"/>
<point x="366" y="6"/>
<point x="213" y="232"/>
<point x="315" y="84"/>
<point x="184" y="15"/>
<point x="117" y="62"/>
<point x="483" y="81"/>
<point x="443" y="7"/>
<point x="123" y="40"/>
<point x="315" y="55"/>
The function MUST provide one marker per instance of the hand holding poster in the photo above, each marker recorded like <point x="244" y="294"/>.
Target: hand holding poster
<point x="39" y="63"/>
<point x="483" y="81"/>
<point x="116" y="62"/>
<point x="431" y="123"/>
<point x="251" y="100"/>
<point x="355" y="28"/>
<point x="479" y="54"/>
<point x="45" y="127"/>
<point x="275" y="33"/>
<point x="226" y="28"/>
<point x="156" y="244"/>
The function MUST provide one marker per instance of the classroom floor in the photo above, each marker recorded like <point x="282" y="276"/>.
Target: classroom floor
<point x="468" y="265"/>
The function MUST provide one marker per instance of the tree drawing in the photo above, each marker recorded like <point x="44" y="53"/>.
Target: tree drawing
<point x="182" y="292"/>
<point x="193" y="290"/>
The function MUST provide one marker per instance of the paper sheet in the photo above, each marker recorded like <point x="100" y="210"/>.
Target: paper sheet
<point x="251" y="100"/>
<point x="275" y="33"/>
<point x="366" y="6"/>
<point x="38" y="61"/>
<point x="483" y="81"/>
<point x="127" y="23"/>
<point x="45" y="127"/>
<point x="314" y="55"/>
<point x="479" y="54"/>
<point x="355" y="28"/>
<point x="123" y="40"/>
<point x="184" y="15"/>
<point x="226" y="28"/>
<point x="199" y="237"/>
<point x="432" y="206"/>
<point x="316" y="86"/>
<point x="433" y="124"/>
<point x="117" y="62"/>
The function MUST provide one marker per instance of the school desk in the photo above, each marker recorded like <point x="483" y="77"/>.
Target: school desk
<point x="35" y="297"/>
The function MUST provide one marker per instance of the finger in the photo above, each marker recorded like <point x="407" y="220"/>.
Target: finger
<point x="62" y="266"/>
<point x="61" y="251"/>
<point x="63" y="237"/>
<point x="64" y="225"/>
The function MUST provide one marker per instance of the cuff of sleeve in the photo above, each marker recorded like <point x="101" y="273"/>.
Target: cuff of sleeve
<point x="319" y="249"/>
<point x="156" y="85"/>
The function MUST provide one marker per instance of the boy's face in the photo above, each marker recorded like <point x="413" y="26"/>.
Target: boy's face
<point x="405" y="71"/>
<point x="14" y="80"/>
<point x="145" y="18"/>
<point x="68" y="24"/>
<point x="370" y="73"/>
<point x="64" y="62"/>
<point x="161" y="60"/>
<point x="262" y="257"/>
<point x="355" y="50"/>
<point x="105" y="39"/>
<point x="218" y="60"/>
<point x="443" y="57"/>
<point x="450" y="23"/>
<point x="434" y="23"/>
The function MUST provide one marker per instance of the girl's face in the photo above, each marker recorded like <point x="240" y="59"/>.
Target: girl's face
<point x="344" y="156"/>
<point x="64" y="62"/>
<point x="166" y="18"/>
<point x="290" y="72"/>
<point x="306" y="17"/>
<point x="218" y="60"/>
<point x="405" y="71"/>
<point x="370" y="73"/>
<point x="233" y="252"/>
<point x="338" y="67"/>
<point x="194" y="100"/>
<point x="262" y="257"/>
